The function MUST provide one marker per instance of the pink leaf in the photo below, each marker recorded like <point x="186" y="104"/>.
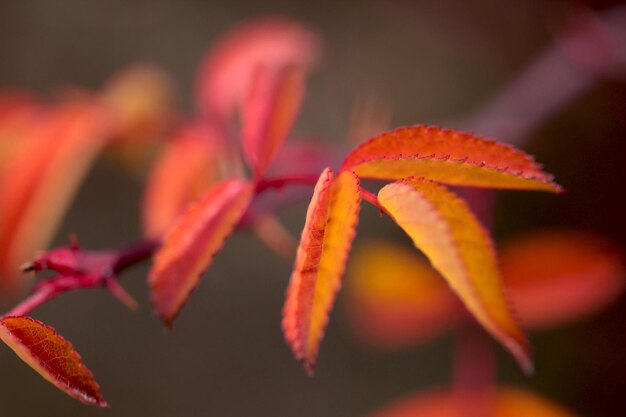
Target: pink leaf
<point x="193" y="241"/>
<point x="226" y="72"/>
<point x="270" y="110"/>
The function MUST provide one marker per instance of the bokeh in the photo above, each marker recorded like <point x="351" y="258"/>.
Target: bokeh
<point x="432" y="62"/>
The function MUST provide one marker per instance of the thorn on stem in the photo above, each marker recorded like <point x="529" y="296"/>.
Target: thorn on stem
<point x="121" y="294"/>
<point x="74" y="242"/>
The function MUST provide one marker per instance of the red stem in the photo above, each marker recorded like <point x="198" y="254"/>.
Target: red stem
<point x="91" y="269"/>
<point x="134" y="254"/>
<point x="32" y="302"/>
<point x="94" y="269"/>
<point x="474" y="371"/>
<point x="280" y="182"/>
<point x="372" y="199"/>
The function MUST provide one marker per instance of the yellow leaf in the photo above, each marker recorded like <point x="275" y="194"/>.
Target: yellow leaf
<point x="320" y="263"/>
<point x="442" y="226"/>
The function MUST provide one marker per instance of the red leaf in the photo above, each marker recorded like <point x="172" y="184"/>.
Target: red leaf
<point x="17" y="112"/>
<point x="270" y="110"/>
<point x="322" y="254"/>
<point x="226" y="72"/>
<point x="38" y="182"/>
<point x="190" y="245"/>
<point x="187" y="165"/>
<point x="447" y="156"/>
<point x="52" y="357"/>
<point x="558" y="276"/>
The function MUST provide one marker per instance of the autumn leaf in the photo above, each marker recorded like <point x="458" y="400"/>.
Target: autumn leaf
<point x="507" y="402"/>
<point x="449" y="157"/>
<point x="394" y="297"/>
<point x="39" y="180"/>
<point x="557" y="276"/>
<point x="140" y="100"/>
<point x="320" y="262"/>
<point x="226" y="73"/>
<point x="192" y="242"/>
<point x="187" y="165"/>
<point x="17" y="110"/>
<point x="553" y="277"/>
<point x="444" y="229"/>
<point x="369" y="117"/>
<point x="53" y="357"/>
<point x="269" y="112"/>
<point x="269" y="230"/>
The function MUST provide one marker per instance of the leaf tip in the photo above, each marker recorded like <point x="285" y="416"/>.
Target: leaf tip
<point x="166" y="319"/>
<point x="309" y="367"/>
<point x="52" y="357"/>
<point x="522" y="352"/>
<point x="101" y="403"/>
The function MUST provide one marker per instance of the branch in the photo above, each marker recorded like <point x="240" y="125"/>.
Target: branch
<point x="474" y="371"/>
<point x="280" y="182"/>
<point x="79" y="269"/>
<point x="372" y="199"/>
<point x="593" y="48"/>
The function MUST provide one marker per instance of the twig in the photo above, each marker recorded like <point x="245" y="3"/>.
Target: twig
<point x="553" y="79"/>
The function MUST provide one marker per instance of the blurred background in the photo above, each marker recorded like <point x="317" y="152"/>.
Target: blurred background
<point x="430" y="62"/>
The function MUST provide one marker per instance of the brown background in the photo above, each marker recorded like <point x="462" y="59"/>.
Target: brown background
<point x="432" y="61"/>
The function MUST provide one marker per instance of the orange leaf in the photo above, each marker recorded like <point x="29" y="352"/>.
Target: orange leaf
<point x="140" y="99"/>
<point x="320" y="262"/>
<point x="552" y="277"/>
<point x="187" y="165"/>
<point x="507" y="402"/>
<point x="190" y="245"/>
<point x="449" y="157"/>
<point x="226" y="72"/>
<point x="395" y="299"/>
<point x="37" y="184"/>
<point x="52" y="357"/>
<point x="17" y="111"/>
<point x="558" y="276"/>
<point x="444" y="229"/>
<point x="270" y="110"/>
